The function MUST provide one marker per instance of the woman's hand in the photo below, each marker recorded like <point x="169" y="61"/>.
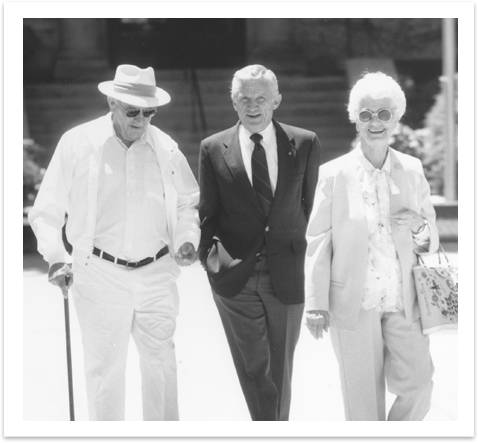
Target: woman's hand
<point x="408" y="218"/>
<point x="317" y="321"/>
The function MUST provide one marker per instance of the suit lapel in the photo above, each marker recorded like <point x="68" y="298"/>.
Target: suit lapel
<point x="235" y="163"/>
<point x="397" y="172"/>
<point x="286" y="157"/>
<point x="401" y="237"/>
<point x="354" y="189"/>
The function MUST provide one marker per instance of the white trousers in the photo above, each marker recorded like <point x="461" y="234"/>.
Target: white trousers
<point x="384" y="349"/>
<point x="112" y="302"/>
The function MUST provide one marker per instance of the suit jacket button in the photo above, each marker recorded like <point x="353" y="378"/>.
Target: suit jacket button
<point x="267" y="228"/>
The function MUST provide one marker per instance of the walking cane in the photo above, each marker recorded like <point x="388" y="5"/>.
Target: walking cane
<point x="68" y="350"/>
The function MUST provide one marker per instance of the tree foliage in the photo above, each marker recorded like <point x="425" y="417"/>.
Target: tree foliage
<point x="32" y="172"/>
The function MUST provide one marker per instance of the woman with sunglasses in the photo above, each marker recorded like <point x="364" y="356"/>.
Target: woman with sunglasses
<point x="372" y="214"/>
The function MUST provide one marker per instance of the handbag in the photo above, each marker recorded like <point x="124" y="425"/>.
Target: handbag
<point x="437" y="294"/>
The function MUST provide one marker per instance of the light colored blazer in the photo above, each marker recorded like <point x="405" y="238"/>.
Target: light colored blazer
<point x="337" y="237"/>
<point x="70" y="185"/>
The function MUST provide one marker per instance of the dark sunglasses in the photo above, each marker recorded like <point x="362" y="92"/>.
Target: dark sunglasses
<point x="131" y="113"/>
<point x="384" y="115"/>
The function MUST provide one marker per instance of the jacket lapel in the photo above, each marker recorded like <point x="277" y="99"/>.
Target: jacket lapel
<point x="286" y="157"/>
<point x="397" y="173"/>
<point x="164" y="147"/>
<point x="97" y="137"/>
<point x="354" y="189"/>
<point x="233" y="158"/>
<point x="402" y="237"/>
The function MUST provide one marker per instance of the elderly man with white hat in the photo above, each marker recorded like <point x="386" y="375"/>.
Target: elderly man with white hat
<point x="131" y="204"/>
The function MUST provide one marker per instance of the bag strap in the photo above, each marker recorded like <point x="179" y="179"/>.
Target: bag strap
<point x="439" y="251"/>
<point x="420" y="261"/>
<point x="440" y="247"/>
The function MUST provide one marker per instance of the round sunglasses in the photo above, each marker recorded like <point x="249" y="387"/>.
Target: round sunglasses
<point x="384" y="115"/>
<point x="131" y="113"/>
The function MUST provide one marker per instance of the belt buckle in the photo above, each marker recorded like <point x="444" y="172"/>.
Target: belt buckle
<point x="131" y="264"/>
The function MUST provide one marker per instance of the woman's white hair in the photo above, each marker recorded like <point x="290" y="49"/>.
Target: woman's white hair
<point x="253" y="72"/>
<point x="376" y="85"/>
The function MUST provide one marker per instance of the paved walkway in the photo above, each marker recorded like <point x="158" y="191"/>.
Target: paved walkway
<point x="208" y="386"/>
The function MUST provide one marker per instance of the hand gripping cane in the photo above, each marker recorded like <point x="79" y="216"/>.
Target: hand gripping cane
<point x="68" y="349"/>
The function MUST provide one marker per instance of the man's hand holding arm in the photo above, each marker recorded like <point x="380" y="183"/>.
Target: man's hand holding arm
<point x="209" y="203"/>
<point x="186" y="255"/>
<point x="187" y="230"/>
<point x="60" y="275"/>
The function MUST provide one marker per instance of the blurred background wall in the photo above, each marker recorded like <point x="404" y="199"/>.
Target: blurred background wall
<point x="316" y="61"/>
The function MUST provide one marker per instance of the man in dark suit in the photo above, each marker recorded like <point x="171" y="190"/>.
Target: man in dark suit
<point x="257" y="184"/>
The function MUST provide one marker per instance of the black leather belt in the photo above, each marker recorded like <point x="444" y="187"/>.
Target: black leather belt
<point x="131" y="264"/>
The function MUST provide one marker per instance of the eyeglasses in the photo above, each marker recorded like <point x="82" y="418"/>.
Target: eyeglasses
<point x="384" y="115"/>
<point x="131" y="113"/>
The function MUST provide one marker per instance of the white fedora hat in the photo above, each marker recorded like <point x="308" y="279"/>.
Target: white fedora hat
<point x="136" y="87"/>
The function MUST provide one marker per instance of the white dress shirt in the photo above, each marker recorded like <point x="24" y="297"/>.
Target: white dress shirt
<point x="70" y="185"/>
<point x="383" y="288"/>
<point x="131" y="219"/>
<point x="269" y="142"/>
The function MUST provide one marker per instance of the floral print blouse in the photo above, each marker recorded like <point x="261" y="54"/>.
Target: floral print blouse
<point x="383" y="287"/>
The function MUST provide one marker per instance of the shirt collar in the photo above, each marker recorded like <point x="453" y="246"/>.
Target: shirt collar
<point x="368" y="166"/>
<point x="267" y="133"/>
<point x="145" y="138"/>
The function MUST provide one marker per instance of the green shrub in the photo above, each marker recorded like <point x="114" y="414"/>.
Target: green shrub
<point x="435" y="123"/>
<point x="32" y="173"/>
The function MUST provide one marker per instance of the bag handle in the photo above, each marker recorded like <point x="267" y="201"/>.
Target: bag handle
<point x="440" y="249"/>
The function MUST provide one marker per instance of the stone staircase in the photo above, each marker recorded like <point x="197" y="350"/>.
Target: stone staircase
<point x="317" y="104"/>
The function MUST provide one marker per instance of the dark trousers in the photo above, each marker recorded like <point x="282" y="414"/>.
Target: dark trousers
<point x="262" y="334"/>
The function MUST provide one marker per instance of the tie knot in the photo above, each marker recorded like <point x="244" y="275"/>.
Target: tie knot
<point x="256" y="138"/>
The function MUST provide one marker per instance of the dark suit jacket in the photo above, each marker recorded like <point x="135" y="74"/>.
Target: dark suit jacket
<point x="233" y="224"/>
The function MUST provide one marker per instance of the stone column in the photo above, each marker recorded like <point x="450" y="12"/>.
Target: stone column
<point x="83" y="54"/>
<point x="271" y="41"/>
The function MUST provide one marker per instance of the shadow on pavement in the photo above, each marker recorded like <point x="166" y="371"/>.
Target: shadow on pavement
<point x="33" y="261"/>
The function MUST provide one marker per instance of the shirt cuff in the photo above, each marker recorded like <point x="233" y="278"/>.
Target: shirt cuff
<point x="423" y="237"/>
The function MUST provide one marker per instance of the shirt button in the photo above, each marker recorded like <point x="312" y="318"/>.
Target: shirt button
<point x="267" y="228"/>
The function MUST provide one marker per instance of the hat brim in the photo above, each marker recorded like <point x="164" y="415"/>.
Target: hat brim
<point x="161" y="97"/>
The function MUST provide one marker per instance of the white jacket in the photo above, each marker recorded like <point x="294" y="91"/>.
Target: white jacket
<point x="70" y="186"/>
<point x="338" y="238"/>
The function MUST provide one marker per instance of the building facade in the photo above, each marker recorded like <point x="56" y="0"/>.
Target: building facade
<point x="82" y="48"/>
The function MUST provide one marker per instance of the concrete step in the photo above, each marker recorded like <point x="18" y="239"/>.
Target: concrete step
<point x="325" y="126"/>
<point x="181" y="93"/>
<point x="206" y="77"/>
<point x="317" y="104"/>
<point x="321" y="102"/>
<point x="181" y="135"/>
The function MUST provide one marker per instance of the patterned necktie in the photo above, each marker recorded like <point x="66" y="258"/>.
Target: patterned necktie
<point x="260" y="174"/>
